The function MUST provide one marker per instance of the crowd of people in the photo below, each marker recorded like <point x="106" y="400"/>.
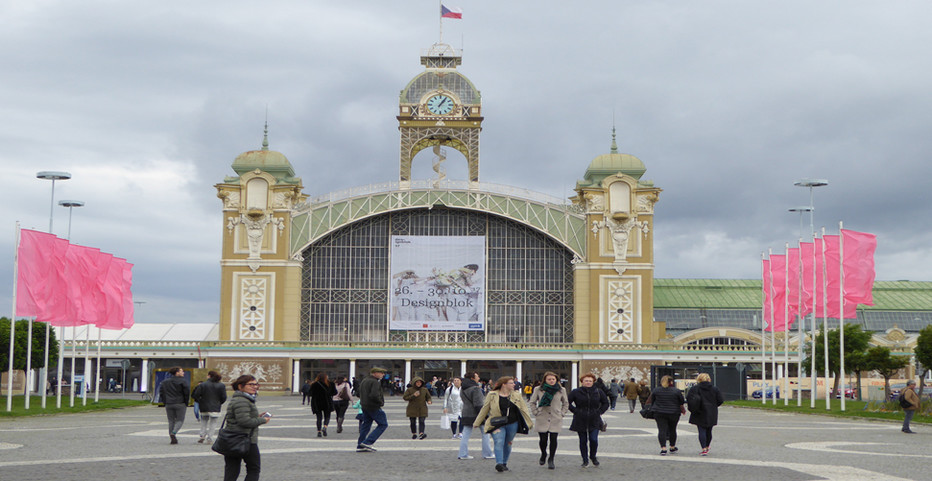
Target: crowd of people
<point x="500" y="410"/>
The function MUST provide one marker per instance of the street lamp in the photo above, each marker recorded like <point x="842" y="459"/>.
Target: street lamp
<point x="70" y="204"/>
<point x="812" y="183"/>
<point x="53" y="176"/>
<point x="801" y="327"/>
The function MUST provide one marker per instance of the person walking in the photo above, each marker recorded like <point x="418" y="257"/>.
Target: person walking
<point x="243" y="416"/>
<point x="631" y="393"/>
<point x="210" y="395"/>
<point x="588" y="403"/>
<point x="643" y="392"/>
<point x="175" y="391"/>
<point x="341" y="401"/>
<point x="418" y="397"/>
<point x="703" y="401"/>
<point x="473" y="399"/>
<point x="507" y="404"/>
<point x="910" y="395"/>
<point x="322" y="392"/>
<point x="614" y="390"/>
<point x="371" y="401"/>
<point x="549" y="403"/>
<point x="453" y="406"/>
<point x="306" y="392"/>
<point x="667" y="402"/>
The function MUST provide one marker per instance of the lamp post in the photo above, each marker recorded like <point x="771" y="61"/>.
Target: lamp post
<point x="801" y="327"/>
<point x="70" y="204"/>
<point x="53" y="176"/>
<point x="811" y="184"/>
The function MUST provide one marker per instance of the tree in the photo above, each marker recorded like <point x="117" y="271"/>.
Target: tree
<point x="924" y="353"/>
<point x="20" y="343"/>
<point x="878" y="358"/>
<point x="856" y="341"/>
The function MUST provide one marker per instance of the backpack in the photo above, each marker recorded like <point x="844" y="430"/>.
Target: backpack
<point x="904" y="403"/>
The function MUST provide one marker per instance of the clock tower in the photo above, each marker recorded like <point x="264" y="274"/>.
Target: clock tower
<point x="440" y="107"/>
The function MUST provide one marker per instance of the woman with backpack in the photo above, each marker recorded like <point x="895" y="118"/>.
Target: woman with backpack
<point x="703" y="401"/>
<point x="341" y="401"/>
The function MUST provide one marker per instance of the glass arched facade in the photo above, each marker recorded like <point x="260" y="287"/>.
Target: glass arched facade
<point x="345" y="285"/>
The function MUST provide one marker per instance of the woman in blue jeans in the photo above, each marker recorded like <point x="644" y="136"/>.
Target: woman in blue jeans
<point x="504" y="401"/>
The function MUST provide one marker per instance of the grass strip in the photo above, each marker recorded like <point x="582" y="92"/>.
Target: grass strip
<point x="35" y="406"/>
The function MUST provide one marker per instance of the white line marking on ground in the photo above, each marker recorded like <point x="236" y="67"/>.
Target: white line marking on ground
<point x="827" y="447"/>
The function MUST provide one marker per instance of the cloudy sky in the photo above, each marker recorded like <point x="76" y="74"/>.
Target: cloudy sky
<point x="726" y="102"/>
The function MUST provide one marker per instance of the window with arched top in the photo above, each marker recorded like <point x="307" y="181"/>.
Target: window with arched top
<point x="620" y="197"/>
<point x="257" y="194"/>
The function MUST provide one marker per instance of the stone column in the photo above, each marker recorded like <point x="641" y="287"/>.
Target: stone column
<point x="295" y="375"/>
<point x="407" y="372"/>
<point x="574" y="382"/>
<point x="463" y="368"/>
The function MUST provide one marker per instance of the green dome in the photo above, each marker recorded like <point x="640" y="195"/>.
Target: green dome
<point x="612" y="163"/>
<point x="266" y="160"/>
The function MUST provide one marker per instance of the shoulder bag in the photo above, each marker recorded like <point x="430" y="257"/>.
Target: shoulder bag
<point x="232" y="443"/>
<point x="498" y="421"/>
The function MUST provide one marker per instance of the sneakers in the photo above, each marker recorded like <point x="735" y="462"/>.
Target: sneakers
<point x="674" y="449"/>
<point x="585" y="463"/>
<point x="663" y="452"/>
<point x="500" y="468"/>
<point x="421" y="436"/>
<point x="365" y="448"/>
<point x="489" y="457"/>
<point x="413" y="436"/>
<point x="595" y="461"/>
<point x="908" y="431"/>
<point x="454" y="437"/>
<point x="705" y="452"/>
<point x="200" y="441"/>
<point x="465" y="457"/>
<point x="174" y="440"/>
<point x="324" y="431"/>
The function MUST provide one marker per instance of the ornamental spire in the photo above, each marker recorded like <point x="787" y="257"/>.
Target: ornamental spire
<point x="614" y="145"/>
<point x="265" y="136"/>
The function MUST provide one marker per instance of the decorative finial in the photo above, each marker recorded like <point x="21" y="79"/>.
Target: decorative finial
<point x="265" y="136"/>
<point x="614" y="145"/>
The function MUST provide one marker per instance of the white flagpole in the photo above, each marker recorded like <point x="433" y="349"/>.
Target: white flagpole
<point x="799" y="310"/>
<point x="763" y="333"/>
<point x="841" y="310"/>
<point x="828" y="394"/>
<point x="61" y="365"/>
<point x="440" y="4"/>
<point x="97" y="376"/>
<point x="74" y="340"/>
<point x="813" y="392"/>
<point x="28" y="371"/>
<point x="786" y="324"/>
<point x="773" y="338"/>
<point x="9" y="376"/>
<point x="45" y="367"/>
<point x="87" y="365"/>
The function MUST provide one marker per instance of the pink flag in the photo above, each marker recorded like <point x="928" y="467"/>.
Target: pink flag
<point x="450" y="12"/>
<point x="833" y="281"/>
<point x="82" y="271"/>
<point x="33" y="271"/>
<point x="794" y="293"/>
<point x="778" y="288"/>
<point x="127" y="295"/>
<point x="808" y="261"/>
<point x="60" y="309"/>
<point x="111" y="286"/>
<point x="859" y="250"/>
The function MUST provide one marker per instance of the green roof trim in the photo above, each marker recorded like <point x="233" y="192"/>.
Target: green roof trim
<point x="746" y="294"/>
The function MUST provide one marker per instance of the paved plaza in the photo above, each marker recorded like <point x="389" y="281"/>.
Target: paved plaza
<point x="131" y="444"/>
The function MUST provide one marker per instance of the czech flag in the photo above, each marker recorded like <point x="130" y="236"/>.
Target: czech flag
<point x="453" y="12"/>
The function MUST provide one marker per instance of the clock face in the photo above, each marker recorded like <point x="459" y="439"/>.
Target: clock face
<point x="440" y="105"/>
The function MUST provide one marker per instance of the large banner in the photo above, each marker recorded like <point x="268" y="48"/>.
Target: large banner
<point x="438" y="283"/>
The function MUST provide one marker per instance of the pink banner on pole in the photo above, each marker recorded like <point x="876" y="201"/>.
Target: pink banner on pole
<point x="33" y="271"/>
<point x="858" y="262"/>
<point x="806" y="251"/>
<point x="833" y="281"/>
<point x="778" y="288"/>
<point x="797" y="295"/>
<point x="128" y="306"/>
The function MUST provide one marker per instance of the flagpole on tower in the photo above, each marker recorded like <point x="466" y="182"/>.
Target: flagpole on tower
<point x="440" y="4"/>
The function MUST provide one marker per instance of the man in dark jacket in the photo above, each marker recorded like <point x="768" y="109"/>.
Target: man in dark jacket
<point x="174" y="391"/>
<point x="471" y="394"/>
<point x="210" y="395"/>
<point x="371" y="401"/>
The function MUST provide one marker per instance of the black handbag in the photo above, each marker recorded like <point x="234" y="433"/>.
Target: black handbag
<point x="232" y="443"/>
<point x="498" y="421"/>
<point x="648" y="411"/>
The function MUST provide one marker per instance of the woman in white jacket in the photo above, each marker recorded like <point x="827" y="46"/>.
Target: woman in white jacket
<point x="453" y="407"/>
